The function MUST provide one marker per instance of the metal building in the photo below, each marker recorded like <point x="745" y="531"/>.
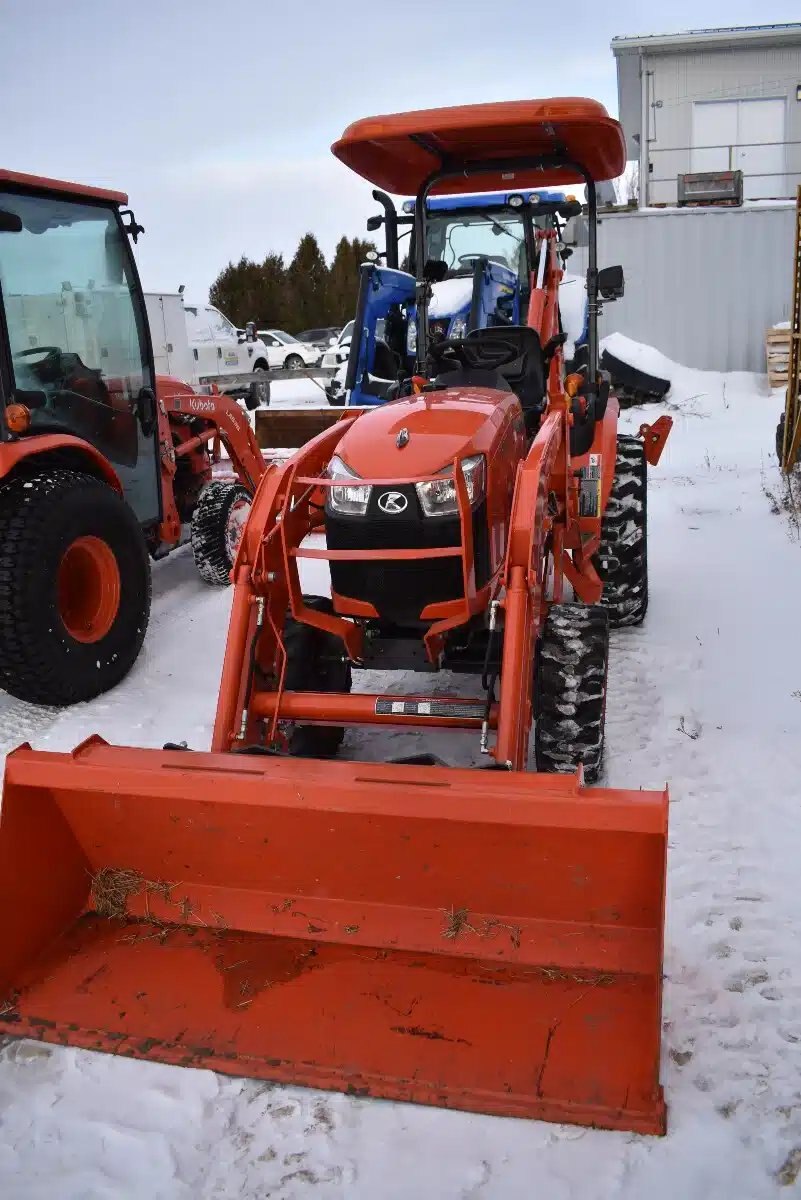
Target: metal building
<point x="713" y="100"/>
<point x="702" y="284"/>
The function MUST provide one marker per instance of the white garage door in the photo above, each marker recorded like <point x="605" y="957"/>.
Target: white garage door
<point x="724" y="137"/>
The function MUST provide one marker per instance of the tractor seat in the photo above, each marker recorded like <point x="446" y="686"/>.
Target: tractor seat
<point x="382" y="380"/>
<point x="526" y="373"/>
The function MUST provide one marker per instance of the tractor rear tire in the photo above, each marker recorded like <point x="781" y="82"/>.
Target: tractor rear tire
<point x="74" y="587"/>
<point x="622" y="558"/>
<point x="217" y="525"/>
<point x="570" y="696"/>
<point x="315" y="663"/>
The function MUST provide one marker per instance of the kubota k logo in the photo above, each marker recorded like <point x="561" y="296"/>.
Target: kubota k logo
<point x="392" y="503"/>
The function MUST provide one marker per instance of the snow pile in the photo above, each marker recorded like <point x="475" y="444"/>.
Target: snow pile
<point x="644" y="358"/>
<point x="706" y="695"/>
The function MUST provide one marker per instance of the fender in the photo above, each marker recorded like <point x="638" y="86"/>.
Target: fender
<point x="12" y="454"/>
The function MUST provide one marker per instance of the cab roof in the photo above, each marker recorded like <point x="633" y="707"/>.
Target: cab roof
<point x="399" y="151"/>
<point x="79" y="191"/>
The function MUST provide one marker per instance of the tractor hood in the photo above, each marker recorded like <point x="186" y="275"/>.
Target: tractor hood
<point x="418" y="436"/>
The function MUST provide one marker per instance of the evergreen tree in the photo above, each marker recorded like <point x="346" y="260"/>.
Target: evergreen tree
<point x="306" y="294"/>
<point x="274" y="309"/>
<point x="343" y="278"/>
<point x="237" y="291"/>
<point x="307" y="286"/>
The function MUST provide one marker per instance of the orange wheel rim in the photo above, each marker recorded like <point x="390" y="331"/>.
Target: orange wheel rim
<point x="88" y="589"/>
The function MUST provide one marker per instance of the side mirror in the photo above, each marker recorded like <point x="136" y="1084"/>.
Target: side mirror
<point x="372" y="256"/>
<point x="375" y="222"/>
<point x="250" y="332"/>
<point x="569" y="208"/>
<point x="10" y="222"/>
<point x="611" y="283"/>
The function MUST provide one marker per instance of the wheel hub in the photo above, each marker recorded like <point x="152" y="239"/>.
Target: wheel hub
<point x="88" y="589"/>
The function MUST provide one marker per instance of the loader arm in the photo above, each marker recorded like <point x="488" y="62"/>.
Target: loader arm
<point x="222" y="418"/>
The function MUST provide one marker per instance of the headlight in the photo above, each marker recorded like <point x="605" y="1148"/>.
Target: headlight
<point x="351" y="498"/>
<point x="438" y="496"/>
<point x="458" y="328"/>
<point x="411" y="338"/>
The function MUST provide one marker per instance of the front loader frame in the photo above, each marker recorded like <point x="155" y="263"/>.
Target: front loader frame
<point x="548" y="539"/>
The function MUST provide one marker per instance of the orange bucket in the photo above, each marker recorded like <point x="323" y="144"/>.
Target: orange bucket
<point x="479" y="940"/>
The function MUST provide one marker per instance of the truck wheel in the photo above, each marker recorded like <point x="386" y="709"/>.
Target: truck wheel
<point x="570" y="690"/>
<point x="315" y="663"/>
<point x="294" y="362"/>
<point x="74" y="587"/>
<point x="622" y="558"/>
<point x="217" y="526"/>
<point x="259" y="391"/>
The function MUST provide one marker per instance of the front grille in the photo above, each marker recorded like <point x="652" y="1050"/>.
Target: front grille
<point x="399" y="591"/>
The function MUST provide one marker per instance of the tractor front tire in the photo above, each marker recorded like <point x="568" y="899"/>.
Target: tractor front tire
<point x="217" y="525"/>
<point x="315" y="663"/>
<point x="570" y="690"/>
<point x="74" y="587"/>
<point x="622" y="557"/>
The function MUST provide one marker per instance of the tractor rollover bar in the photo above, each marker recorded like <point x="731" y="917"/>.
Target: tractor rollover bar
<point x="485" y="941"/>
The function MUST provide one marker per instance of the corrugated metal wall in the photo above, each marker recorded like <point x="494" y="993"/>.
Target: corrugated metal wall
<point x="702" y="285"/>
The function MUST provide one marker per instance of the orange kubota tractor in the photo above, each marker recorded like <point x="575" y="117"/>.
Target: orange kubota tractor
<point x="101" y="461"/>
<point x="485" y="939"/>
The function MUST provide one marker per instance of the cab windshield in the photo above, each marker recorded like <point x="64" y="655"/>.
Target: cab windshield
<point x="75" y="331"/>
<point x="458" y="238"/>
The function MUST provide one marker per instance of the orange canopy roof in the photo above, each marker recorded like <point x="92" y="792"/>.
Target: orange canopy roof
<point x="78" y="190"/>
<point x="399" y="151"/>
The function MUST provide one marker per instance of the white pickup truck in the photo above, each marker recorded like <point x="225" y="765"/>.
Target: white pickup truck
<point x="197" y="343"/>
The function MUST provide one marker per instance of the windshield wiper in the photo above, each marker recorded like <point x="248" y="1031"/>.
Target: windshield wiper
<point x="496" y="225"/>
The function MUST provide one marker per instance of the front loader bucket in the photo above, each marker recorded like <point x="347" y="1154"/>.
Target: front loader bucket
<point x="480" y="940"/>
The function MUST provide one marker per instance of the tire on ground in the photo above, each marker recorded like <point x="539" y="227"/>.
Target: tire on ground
<point x="315" y="663"/>
<point x="570" y="690"/>
<point x="217" y="524"/>
<point x="41" y="517"/>
<point x="622" y="557"/>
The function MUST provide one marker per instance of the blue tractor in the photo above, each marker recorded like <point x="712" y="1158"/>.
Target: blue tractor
<point x="480" y="257"/>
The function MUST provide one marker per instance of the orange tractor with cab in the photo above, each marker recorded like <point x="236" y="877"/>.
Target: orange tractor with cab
<point x="103" y="464"/>
<point x="484" y="939"/>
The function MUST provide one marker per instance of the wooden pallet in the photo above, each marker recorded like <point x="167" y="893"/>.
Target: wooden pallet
<point x="777" y="354"/>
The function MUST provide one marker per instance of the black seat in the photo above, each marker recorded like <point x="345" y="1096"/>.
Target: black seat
<point x="477" y="377"/>
<point x="526" y="373"/>
<point x="382" y="380"/>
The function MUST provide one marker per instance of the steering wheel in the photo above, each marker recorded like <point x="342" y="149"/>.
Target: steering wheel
<point x="44" y="351"/>
<point x="474" y="355"/>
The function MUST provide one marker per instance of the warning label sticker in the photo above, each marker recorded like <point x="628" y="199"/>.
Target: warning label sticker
<point x="590" y="487"/>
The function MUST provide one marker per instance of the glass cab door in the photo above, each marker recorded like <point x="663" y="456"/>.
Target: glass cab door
<point x="78" y="349"/>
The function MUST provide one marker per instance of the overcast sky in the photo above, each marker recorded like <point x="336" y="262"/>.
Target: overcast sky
<point x="217" y="118"/>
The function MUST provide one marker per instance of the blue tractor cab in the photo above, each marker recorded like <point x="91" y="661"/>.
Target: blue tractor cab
<point x="479" y="257"/>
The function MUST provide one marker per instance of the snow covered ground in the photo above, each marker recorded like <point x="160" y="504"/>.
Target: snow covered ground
<point x="706" y="695"/>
